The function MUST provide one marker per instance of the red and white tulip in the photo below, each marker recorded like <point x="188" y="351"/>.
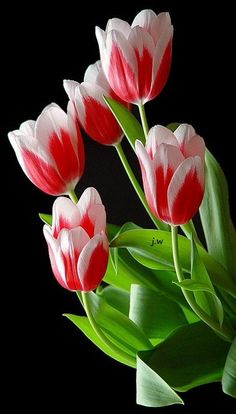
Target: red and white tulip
<point x="136" y="59"/>
<point x="172" y="166"/>
<point x="77" y="242"/>
<point x="50" y="150"/>
<point x="93" y="114"/>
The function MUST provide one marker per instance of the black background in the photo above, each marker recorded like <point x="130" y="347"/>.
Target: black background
<point x="49" y="362"/>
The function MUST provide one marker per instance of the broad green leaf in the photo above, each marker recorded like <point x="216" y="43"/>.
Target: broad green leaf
<point x="131" y="272"/>
<point x="127" y="121"/>
<point x="156" y="315"/>
<point x="192" y="355"/>
<point x="117" y="324"/>
<point x="229" y="373"/>
<point x="83" y="324"/>
<point x="159" y="254"/>
<point x="205" y="298"/>
<point x="152" y="390"/>
<point x="117" y="298"/>
<point x="218" y="228"/>
<point x="46" y="218"/>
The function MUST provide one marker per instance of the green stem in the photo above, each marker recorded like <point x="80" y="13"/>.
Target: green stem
<point x="73" y="196"/>
<point x="223" y="331"/>
<point x="129" y="359"/>
<point x="143" y="119"/>
<point x="189" y="231"/>
<point x="137" y="187"/>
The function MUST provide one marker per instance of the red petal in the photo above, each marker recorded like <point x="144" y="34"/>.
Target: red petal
<point x="121" y="76"/>
<point x="187" y="199"/>
<point x="42" y="175"/>
<point x="100" y="124"/>
<point x="96" y="268"/>
<point x="64" y="155"/>
<point x="162" y="73"/>
<point x="163" y="180"/>
<point x="144" y="73"/>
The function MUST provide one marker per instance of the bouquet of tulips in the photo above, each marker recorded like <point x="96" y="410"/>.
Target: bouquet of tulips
<point x="152" y="297"/>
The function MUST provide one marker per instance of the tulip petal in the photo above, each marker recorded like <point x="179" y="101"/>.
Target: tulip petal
<point x="65" y="214"/>
<point x="119" y="25"/>
<point x="95" y="75"/>
<point x="72" y="242"/>
<point x="70" y="86"/>
<point x="159" y="25"/>
<point x="148" y="175"/>
<point x="76" y="140"/>
<point x="161" y="62"/>
<point x="185" y="190"/>
<point x="36" y="164"/>
<point x="92" y="262"/>
<point x="98" y="122"/>
<point x="56" y="257"/>
<point x="166" y="160"/>
<point x="190" y="143"/>
<point x="90" y="217"/>
<point x="159" y="135"/>
<point x="144" y="48"/>
<point x="145" y="19"/>
<point x="27" y="127"/>
<point x="120" y="66"/>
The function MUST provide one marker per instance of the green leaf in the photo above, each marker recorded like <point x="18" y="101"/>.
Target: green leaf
<point x="118" y="325"/>
<point x="192" y="355"/>
<point x="127" y="121"/>
<point x="206" y="298"/>
<point x="218" y="228"/>
<point x="173" y="126"/>
<point x="229" y="373"/>
<point x="152" y="390"/>
<point x="156" y="315"/>
<point x="83" y="324"/>
<point x="117" y="298"/>
<point x="159" y="255"/>
<point x="46" y="218"/>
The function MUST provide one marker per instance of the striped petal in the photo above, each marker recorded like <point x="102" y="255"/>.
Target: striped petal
<point x="167" y="159"/>
<point x="72" y="242"/>
<point x="97" y="120"/>
<point x="56" y="257"/>
<point x="145" y="19"/>
<point x="186" y="190"/>
<point x="119" y="25"/>
<point x="120" y="66"/>
<point x="91" y="218"/>
<point x="36" y="164"/>
<point x="159" y="135"/>
<point x="27" y="128"/>
<point x="160" y="24"/>
<point x="190" y="143"/>
<point x="92" y="262"/>
<point x="148" y="176"/>
<point x="65" y="214"/>
<point x="161" y="62"/>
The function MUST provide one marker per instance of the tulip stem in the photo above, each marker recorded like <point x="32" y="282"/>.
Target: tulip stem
<point x="73" y="196"/>
<point x="137" y="187"/>
<point x="131" y="361"/>
<point x="143" y="117"/>
<point x="222" y="330"/>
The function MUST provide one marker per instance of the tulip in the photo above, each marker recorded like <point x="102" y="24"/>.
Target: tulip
<point x="172" y="166"/>
<point x="50" y="150"/>
<point x="136" y="59"/>
<point x="93" y="114"/>
<point x="77" y="242"/>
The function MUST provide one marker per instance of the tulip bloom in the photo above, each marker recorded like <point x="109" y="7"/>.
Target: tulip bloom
<point x="136" y="59"/>
<point x="50" y="150"/>
<point x="172" y="166"/>
<point x="93" y="114"/>
<point x="77" y="242"/>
